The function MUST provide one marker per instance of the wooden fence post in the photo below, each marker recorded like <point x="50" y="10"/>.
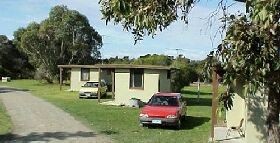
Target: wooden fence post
<point x="60" y="78"/>
<point x="214" y="101"/>
<point x="99" y="85"/>
<point x="113" y="83"/>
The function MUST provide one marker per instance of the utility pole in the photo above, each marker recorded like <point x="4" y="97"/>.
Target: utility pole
<point x="177" y="50"/>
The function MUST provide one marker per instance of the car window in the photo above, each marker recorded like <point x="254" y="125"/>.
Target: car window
<point x="173" y="101"/>
<point x="91" y="84"/>
<point x="163" y="101"/>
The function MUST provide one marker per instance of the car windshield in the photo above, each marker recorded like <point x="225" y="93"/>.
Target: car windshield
<point x="91" y="84"/>
<point x="163" y="101"/>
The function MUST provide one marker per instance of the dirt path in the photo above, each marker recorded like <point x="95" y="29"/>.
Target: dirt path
<point x="36" y="120"/>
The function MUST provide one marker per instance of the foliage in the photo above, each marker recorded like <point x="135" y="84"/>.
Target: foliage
<point x="184" y="75"/>
<point x="65" y="37"/>
<point x="117" y="60"/>
<point x="198" y="66"/>
<point x="248" y="53"/>
<point x="145" y="16"/>
<point x="153" y="60"/>
<point x="14" y="63"/>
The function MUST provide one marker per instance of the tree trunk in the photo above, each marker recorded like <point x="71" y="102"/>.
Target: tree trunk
<point x="273" y="116"/>
<point x="61" y="55"/>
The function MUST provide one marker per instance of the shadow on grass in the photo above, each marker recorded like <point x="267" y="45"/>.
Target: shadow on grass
<point x="9" y="89"/>
<point x="191" y="122"/>
<point x="188" y="123"/>
<point x="194" y="101"/>
<point x="95" y="98"/>
<point x="109" y="132"/>
<point x="44" y="136"/>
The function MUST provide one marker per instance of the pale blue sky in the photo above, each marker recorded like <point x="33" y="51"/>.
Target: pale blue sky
<point x="194" y="39"/>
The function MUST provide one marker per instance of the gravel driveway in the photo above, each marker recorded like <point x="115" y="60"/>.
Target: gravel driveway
<point x="35" y="120"/>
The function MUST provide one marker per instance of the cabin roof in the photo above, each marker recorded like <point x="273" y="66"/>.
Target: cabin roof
<point x="117" y="66"/>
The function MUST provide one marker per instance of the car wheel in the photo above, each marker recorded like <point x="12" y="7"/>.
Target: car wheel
<point x="143" y="125"/>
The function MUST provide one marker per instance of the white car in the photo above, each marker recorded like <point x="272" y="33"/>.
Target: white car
<point x="90" y="89"/>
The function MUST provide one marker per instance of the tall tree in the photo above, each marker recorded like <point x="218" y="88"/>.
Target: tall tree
<point x="65" y="37"/>
<point x="250" y="49"/>
<point x="13" y="62"/>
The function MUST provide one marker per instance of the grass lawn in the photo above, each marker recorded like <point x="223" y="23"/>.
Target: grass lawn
<point x="5" y="121"/>
<point x="121" y="123"/>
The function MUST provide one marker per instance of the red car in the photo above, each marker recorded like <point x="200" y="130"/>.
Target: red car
<point x="164" y="109"/>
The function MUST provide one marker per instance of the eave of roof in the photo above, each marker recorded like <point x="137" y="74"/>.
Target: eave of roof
<point x="117" y="66"/>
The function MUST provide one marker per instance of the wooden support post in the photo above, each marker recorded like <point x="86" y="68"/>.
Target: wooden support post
<point x="214" y="101"/>
<point x="99" y="85"/>
<point x="60" y="78"/>
<point x="113" y="83"/>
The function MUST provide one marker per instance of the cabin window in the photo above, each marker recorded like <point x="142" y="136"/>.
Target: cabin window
<point x="137" y="78"/>
<point x="108" y="71"/>
<point x="85" y="74"/>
